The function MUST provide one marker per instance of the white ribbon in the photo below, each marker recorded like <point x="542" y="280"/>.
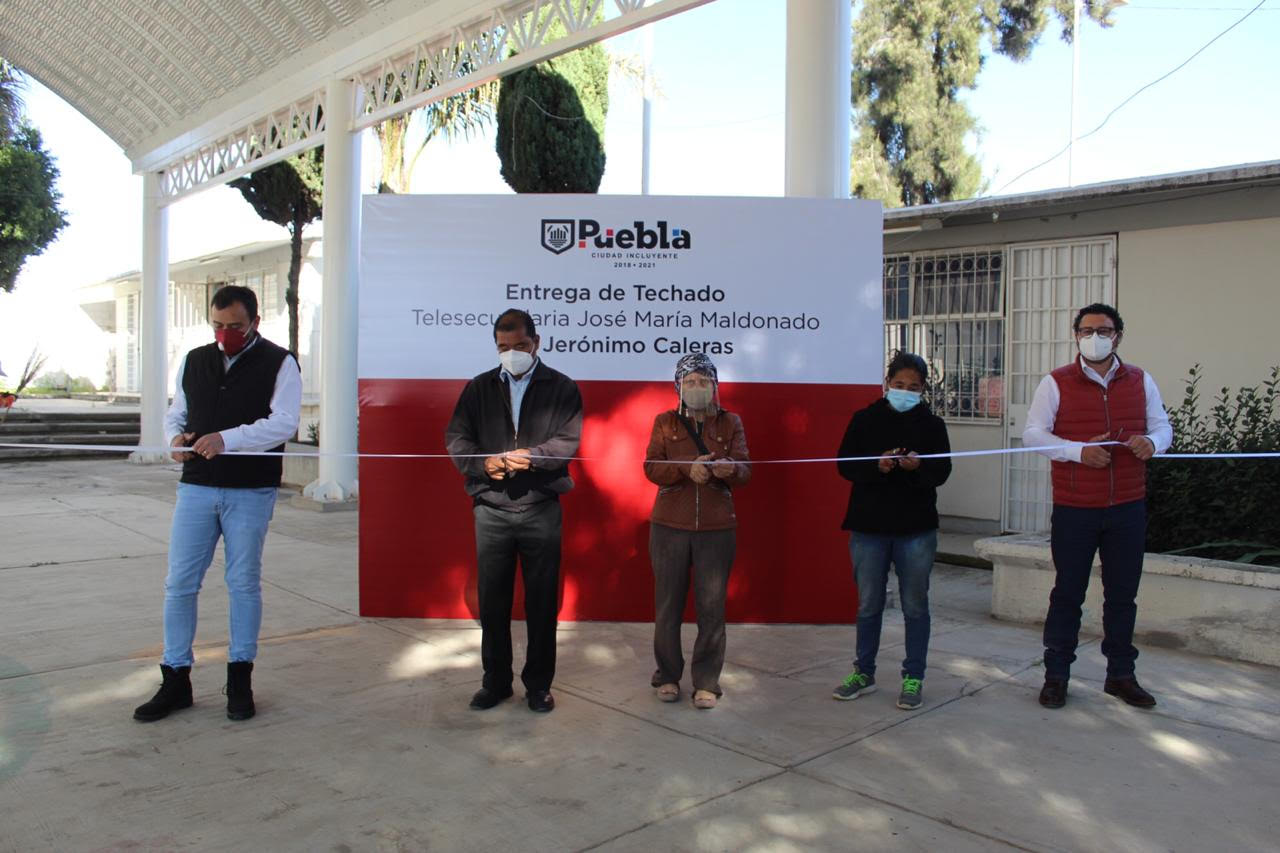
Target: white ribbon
<point x="955" y="454"/>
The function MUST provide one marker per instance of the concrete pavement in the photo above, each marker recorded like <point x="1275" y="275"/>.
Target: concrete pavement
<point x="363" y="740"/>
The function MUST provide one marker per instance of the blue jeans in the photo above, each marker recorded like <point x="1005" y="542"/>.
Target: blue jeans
<point x="912" y="557"/>
<point x="1119" y="535"/>
<point x="203" y="514"/>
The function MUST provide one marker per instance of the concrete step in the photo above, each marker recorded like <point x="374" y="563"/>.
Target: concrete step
<point x="74" y="438"/>
<point x="18" y="416"/>
<point x="957" y="549"/>
<point x="9" y="454"/>
<point x="86" y="426"/>
<point x="126" y="441"/>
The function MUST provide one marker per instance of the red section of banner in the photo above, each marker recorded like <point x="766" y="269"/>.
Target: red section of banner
<point x="417" y="548"/>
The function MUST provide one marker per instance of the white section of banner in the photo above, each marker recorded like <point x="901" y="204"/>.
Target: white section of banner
<point x="772" y="289"/>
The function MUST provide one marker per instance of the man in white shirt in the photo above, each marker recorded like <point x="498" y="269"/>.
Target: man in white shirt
<point x="1100" y="420"/>
<point x="240" y="393"/>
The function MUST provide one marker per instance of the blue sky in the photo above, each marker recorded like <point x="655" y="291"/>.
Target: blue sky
<point x="718" y="130"/>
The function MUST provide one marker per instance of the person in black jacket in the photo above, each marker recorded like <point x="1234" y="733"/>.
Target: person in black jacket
<point x="240" y="393"/>
<point x="893" y="518"/>
<point x="511" y="434"/>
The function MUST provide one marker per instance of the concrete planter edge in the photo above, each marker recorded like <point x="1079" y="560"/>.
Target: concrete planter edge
<point x="1206" y="606"/>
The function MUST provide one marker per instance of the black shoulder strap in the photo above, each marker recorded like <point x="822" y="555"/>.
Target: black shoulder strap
<point x="694" y="434"/>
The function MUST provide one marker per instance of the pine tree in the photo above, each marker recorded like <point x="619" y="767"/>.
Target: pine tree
<point x="551" y="124"/>
<point x="289" y="193"/>
<point x="911" y="60"/>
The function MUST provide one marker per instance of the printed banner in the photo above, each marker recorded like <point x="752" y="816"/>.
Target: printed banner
<point x="774" y="290"/>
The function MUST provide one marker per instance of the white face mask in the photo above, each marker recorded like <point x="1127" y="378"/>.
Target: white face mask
<point x="517" y="362"/>
<point x="697" y="399"/>
<point x="1095" y="348"/>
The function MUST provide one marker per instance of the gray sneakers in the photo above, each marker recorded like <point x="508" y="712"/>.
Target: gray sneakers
<point x="859" y="684"/>
<point x="854" y="685"/>
<point x="911" y="696"/>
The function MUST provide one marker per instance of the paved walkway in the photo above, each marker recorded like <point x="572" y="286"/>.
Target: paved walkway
<point x="363" y="740"/>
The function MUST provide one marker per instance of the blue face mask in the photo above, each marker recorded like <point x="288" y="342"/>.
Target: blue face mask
<point x="901" y="400"/>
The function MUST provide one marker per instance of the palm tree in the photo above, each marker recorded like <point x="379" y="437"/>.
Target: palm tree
<point x="456" y="116"/>
<point x="11" y="86"/>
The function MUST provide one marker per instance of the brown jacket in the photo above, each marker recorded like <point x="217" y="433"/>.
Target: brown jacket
<point x="682" y="503"/>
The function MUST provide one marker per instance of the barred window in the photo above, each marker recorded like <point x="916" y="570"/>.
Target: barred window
<point x="272" y="299"/>
<point x="131" y="342"/>
<point x="897" y="304"/>
<point x="947" y="306"/>
<point x="189" y="305"/>
<point x="268" y="288"/>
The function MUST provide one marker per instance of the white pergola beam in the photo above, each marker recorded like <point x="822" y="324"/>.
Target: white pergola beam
<point x="211" y="154"/>
<point x="579" y="35"/>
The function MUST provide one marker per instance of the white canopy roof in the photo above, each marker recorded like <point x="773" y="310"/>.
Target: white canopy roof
<point x="205" y="90"/>
<point x="145" y="69"/>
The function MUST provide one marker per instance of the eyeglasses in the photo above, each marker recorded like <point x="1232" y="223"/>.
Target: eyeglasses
<point x="1105" y="332"/>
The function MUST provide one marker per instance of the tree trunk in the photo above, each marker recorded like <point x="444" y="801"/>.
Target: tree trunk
<point x="391" y="137"/>
<point x="291" y="289"/>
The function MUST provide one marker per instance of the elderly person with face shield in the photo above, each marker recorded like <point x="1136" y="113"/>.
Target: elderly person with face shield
<point x="893" y="519"/>
<point x="697" y="455"/>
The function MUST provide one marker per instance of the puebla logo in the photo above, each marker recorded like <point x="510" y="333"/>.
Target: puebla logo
<point x="558" y="235"/>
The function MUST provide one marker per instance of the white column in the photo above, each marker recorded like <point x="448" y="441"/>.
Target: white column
<point x="819" y="44"/>
<point x="646" y="117"/>
<point x="1075" y="90"/>
<point x="339" y="308"/>
<point x="153" y="328"/>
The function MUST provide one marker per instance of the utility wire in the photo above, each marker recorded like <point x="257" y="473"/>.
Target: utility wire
<point x="1193" y="8"/>
<point x="1123" y="103"/>
<point x="980" y="199"/>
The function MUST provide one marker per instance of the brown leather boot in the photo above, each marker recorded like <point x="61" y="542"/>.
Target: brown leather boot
<point x="1054" y="693"/>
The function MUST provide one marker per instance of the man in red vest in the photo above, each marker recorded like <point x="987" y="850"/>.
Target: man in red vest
<point x="1099" y="496"/>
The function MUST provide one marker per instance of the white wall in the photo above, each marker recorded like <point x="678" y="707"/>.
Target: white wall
<point x="975" y="487"/>
<point x="1206" y="293"/>
<point x="275" y="327"/>
<point x="1201" y="293"/>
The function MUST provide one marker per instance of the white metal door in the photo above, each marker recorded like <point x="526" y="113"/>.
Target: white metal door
<point x="1047" y="284"/>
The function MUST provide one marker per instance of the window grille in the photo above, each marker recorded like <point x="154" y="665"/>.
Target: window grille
<point x="947" y="306"/>
<point x="131" y="344"/>
<point x="266" y="286"/>
<point x="272" y="301"/>
<point x="188" y="305"/>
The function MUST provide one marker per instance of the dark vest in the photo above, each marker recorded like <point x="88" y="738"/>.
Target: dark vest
<point x="1085" y="410"/>
<point x="219" y="399"/>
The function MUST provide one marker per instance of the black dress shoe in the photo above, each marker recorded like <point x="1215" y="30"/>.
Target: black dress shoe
<point x="1054" y="693"/>
<point x="484" y="698"/>
<point x="541" y="701"/>
<point x="1130" y="691"/>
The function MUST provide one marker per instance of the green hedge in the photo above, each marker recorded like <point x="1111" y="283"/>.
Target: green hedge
<point x="1220" y="508"/>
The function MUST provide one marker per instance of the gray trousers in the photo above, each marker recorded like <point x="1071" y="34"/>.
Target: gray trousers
<point x="674" y="553"/>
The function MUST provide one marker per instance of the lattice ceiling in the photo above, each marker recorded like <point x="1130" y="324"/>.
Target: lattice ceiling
<point x="136" y="67"/>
